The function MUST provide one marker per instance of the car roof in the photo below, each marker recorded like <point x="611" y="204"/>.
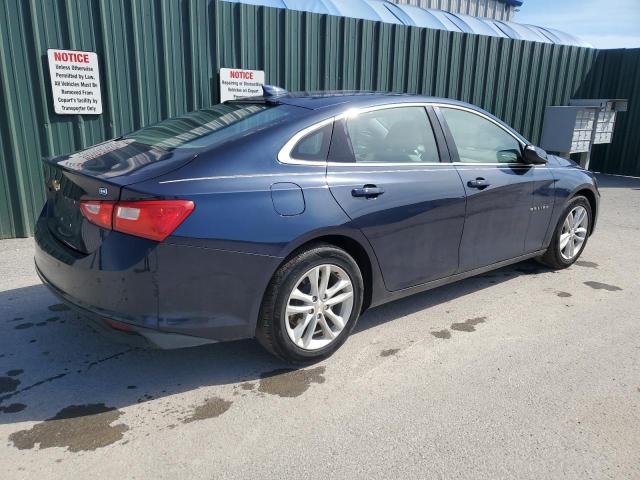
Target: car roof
<point x="325" y="99"/>
<point x="335" y="102"/>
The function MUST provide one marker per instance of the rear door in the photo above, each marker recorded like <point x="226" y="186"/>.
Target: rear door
<point x="498" y="185"/>
<point x="390" y="172"/>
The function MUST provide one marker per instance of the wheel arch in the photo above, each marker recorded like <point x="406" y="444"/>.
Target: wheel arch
<point x="593" y="203"/>
<point x="358" y="248"/>
<point x="359" y="254"/>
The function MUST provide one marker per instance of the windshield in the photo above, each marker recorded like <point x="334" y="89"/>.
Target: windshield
<point x="206" y="128"/>
<point x="209" y="127"/>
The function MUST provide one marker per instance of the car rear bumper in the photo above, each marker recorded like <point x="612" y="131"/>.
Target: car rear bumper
<point x="120" y="329"/>
<point x="171" y="294"/>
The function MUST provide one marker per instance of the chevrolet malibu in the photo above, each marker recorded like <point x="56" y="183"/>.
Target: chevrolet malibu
<point x="284" y="217"/>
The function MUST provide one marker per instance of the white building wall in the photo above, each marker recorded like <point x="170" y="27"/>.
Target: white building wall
<point x="478" y="8"/>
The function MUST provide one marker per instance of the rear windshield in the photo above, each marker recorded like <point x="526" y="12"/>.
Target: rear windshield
<point x="210" y="126"/>
<point x="202" y="129"/>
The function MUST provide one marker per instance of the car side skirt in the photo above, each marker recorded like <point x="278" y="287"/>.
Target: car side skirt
<point x="391" y="296"/>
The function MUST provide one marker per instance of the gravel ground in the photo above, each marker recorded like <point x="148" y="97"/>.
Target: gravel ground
<point x="520" y="373"/>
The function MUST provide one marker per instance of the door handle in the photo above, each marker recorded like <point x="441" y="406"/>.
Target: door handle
<point x="368" y="191"/>
<point x="479" y="183"/>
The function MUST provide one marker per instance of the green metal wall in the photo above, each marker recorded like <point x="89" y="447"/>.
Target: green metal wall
<point x="616" y="74"/>
<point x="160" y="58"/>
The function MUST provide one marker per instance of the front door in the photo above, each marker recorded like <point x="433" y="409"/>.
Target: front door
<point x="385" y="171"/>
<point x="498" y="185"/>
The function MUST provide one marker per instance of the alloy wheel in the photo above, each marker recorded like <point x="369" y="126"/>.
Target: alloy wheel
<point x="574" y="232"/>
<point x="319" y="307"/>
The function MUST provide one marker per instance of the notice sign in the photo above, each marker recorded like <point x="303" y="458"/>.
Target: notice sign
<point x="236" y="83"/>
<point x="75" y="82"/>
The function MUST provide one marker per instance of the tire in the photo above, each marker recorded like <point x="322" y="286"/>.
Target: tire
<point x="554" y="257"/>
<point x="277" y="327"/>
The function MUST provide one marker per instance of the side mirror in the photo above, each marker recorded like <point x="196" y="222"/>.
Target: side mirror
<point x="534" y="155"/>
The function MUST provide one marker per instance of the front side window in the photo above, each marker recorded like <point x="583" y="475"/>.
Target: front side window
<point x="393" y="135"/>
<point x="480" y="141"/>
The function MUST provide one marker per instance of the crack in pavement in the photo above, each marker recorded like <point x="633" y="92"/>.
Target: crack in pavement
<point x="111" y="357"/>
<point x="29" y="387"/>
<point x="61" y="375"/>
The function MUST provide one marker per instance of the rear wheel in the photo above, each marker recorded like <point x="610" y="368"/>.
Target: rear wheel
<point x="311" y="305"/>
<point x="571" y="234"/>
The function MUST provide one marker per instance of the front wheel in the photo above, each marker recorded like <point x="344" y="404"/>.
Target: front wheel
<point x="571" y="234"/>
<point x="311" y="305"/>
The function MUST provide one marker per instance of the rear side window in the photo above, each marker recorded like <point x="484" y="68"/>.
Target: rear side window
<point x="314" y="146"/>
<point x="480" y="141"/>
<point x="393" y="135"/>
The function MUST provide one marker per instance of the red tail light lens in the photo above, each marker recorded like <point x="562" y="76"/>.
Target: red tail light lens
<point x="100" y="213"/>
<point x="152" y="219"/>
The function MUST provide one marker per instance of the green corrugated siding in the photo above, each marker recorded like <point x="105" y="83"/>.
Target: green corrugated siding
<point x="160" y="58"/>
<point x="617" y="75"/>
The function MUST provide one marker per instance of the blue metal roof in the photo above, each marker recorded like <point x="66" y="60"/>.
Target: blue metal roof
<point x="385" y="11"/>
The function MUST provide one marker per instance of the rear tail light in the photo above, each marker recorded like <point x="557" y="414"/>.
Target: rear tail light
<point x="99" y="213"/>
<point x="152" y="219"/>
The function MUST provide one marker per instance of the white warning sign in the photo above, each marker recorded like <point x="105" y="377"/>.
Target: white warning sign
<point x="75" y="82"/>
<point x="238" y="83"/>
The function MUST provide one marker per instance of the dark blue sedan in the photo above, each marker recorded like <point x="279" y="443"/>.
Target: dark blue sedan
<point x="284" y="217"/>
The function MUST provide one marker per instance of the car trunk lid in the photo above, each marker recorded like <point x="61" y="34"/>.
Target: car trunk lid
<point x="99" y="173"/>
